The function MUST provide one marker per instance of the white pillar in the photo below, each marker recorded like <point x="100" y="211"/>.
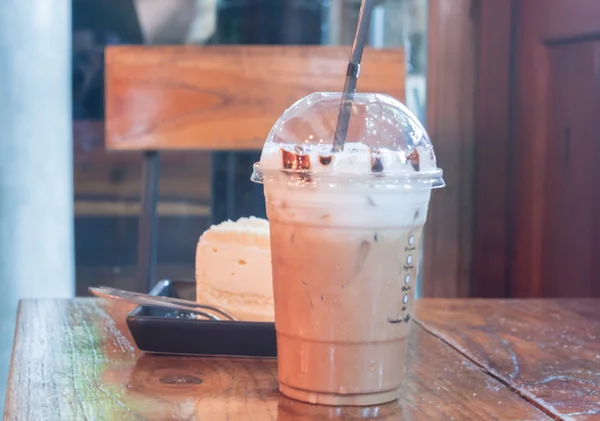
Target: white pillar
<point x="36" y="181"/>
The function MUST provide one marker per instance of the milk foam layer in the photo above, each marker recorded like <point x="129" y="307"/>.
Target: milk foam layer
<point x="307" y="198"/>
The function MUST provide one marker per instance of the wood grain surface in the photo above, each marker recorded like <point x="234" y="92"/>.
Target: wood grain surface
<point x="75" y="360"/>
<point x="225" y="97"/>
<point x="548" y="350"/>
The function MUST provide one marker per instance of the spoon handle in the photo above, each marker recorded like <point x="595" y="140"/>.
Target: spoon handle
<point x="166" y="302"/>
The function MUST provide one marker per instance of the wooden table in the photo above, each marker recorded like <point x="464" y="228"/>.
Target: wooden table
<point x="470" y="360"/>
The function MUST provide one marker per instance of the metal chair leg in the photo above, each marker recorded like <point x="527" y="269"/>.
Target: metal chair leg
<point x="222" y="186"/>
<point x="233" y="194"/>
<point x="148" y="223"/>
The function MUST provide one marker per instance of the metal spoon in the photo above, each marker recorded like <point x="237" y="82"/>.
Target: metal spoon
<point x="165" y="302"/>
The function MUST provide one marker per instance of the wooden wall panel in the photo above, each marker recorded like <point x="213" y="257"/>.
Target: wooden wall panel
<point x="540" y="133"/>
<point x="531" y="112"/>
<point x="450" y="121"/>
<point x="507" y="80"/>
<point x="571" y="235"/>
<point x="492" y="176"/>
<point x="536" y="73"/>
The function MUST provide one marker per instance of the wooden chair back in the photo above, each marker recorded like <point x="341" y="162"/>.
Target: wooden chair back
<point x="224" y="97"/>
<point x="217" y="98"/>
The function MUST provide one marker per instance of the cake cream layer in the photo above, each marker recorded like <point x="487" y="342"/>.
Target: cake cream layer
<point x="233" y="268"/>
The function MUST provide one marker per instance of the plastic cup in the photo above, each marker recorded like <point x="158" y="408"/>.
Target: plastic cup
<point x="346" y="230"/>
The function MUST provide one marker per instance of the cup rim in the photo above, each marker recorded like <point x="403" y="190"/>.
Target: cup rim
<point x="430" y="179"/>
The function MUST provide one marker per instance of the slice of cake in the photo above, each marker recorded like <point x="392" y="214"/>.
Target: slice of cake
<point x="233" y="269"/>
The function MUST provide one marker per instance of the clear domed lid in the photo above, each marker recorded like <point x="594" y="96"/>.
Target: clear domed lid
<point x="385" y="144"/>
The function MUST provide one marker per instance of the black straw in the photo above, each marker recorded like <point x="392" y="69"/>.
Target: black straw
<point x="341" y="131"/>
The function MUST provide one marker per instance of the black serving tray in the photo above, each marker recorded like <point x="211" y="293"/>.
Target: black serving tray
<point x="164" y="331"/>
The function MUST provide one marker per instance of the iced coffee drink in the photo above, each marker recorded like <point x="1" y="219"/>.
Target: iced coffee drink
<point x="346" y="230"/>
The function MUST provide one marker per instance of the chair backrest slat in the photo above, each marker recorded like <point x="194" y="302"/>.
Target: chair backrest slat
<point x="224" y="97"/>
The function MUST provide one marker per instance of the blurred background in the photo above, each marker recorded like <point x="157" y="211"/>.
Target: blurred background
<point x="509" y="91"/>
<point x="107" y="185"/>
